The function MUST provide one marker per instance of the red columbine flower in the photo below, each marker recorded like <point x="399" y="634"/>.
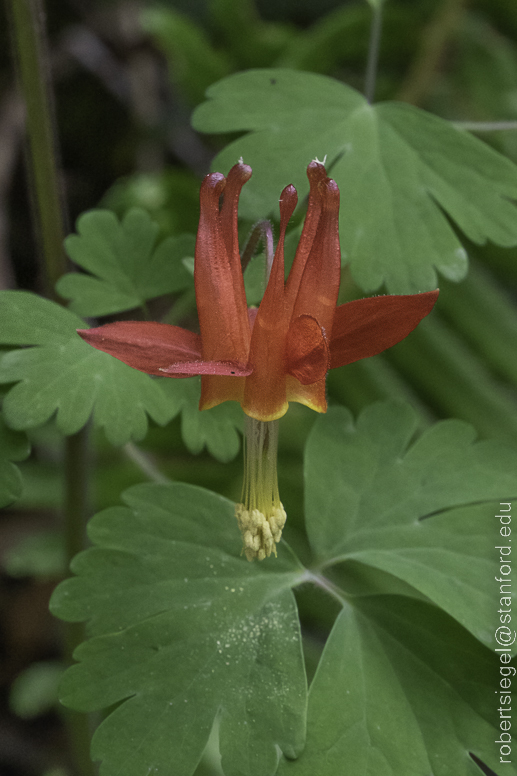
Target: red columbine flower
<point x="279" y="353"/>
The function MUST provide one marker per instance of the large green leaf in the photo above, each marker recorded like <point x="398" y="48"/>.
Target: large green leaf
<point x="401" y="690"/>
<point x="126" y="267"/>
<point x="13" y="447"/>
<point x="398" y="169"/>
<point x="417" y="511"/>
<point x="64" y="375"/>
<point x="185" y="629"/>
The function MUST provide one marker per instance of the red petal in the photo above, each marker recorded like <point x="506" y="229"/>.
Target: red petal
<point x="316" y="173"/>
<point x="307" y="350"/>
<point x="265" y="389"/>
<point x="366" y="327"/>
<point x="319" y="286"/>
<point x="147" y="346"/>
<point x="220" y="295"/>
<point x="235" y="180"/>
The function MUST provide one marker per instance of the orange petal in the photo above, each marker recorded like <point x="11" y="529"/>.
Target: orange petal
<point x="235" y="180"/>
<point x="264" y="394"/>
<point x="316" y="173"/>
<point x="366" y="327"/>
<point x="147" y="346"/>
<point x="307" y="351"/>
<point x="220" y="296"/>
<point x="319" y="286"/>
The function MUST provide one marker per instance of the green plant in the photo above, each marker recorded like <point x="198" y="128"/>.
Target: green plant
<point x="385" y="593"/>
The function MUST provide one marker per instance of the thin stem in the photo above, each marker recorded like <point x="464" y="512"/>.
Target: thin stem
<point x="486" y="126"/>
<point x="33" y="71"/>
<point x="145" y="464"/>
<point x="261" y="231"/>
<point x="373" y="54"/>
<point x="76" y="506"/>
<point x="29" y="43"/>
<point x="325" y="584"/>
<point x="76" y="470"/>
<point x="50" y="218"/>
<point x="267" y="237"/>
<point x="34" y="79"/>
<point x="436" y="37"/>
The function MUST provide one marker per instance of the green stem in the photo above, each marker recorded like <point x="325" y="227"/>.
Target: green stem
<point x="436" y="38"/>
<point x="76" y="506"/>
<point x="486" y="126"/>
<point x="325" y="584"/>
<point x="76" y="471"/>
<point x="261" y="231"/>
<point x="145" y="464"/>
<point x="29" y="44"/>
<point x="34" y="80"/>
<point x="373" y="54"/>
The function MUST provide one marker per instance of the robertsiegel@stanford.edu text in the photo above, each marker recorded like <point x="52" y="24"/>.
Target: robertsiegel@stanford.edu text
<point x="504" y="634"/>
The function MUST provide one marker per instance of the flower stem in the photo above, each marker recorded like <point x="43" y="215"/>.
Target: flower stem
<point x="373" y="54"/>
<point x="435" y="40"/>
<point x="30" y="50"/>
<point x="261" y="231"/>
<point x="33" y="72"/>
<point x="145" y="464"/>
<point x="325" y="584"/>
<point x="486" y="126"/>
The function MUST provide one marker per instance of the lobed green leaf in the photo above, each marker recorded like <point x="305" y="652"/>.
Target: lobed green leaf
<point x="66" y="377"/>
<point x="399" y="170"/>
<point x="126" y="266"/>
<point x="185" y="630"/>
<point x="217" y="429"/>
<point x="423" y="512"/>
<point x="400" y="690"/>
<point x="13" y="447"/>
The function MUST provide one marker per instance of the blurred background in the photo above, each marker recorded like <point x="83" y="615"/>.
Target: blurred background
<point x="126" y="77"/>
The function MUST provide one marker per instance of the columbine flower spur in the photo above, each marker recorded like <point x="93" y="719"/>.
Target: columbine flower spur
<point x="267" y="357"/>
